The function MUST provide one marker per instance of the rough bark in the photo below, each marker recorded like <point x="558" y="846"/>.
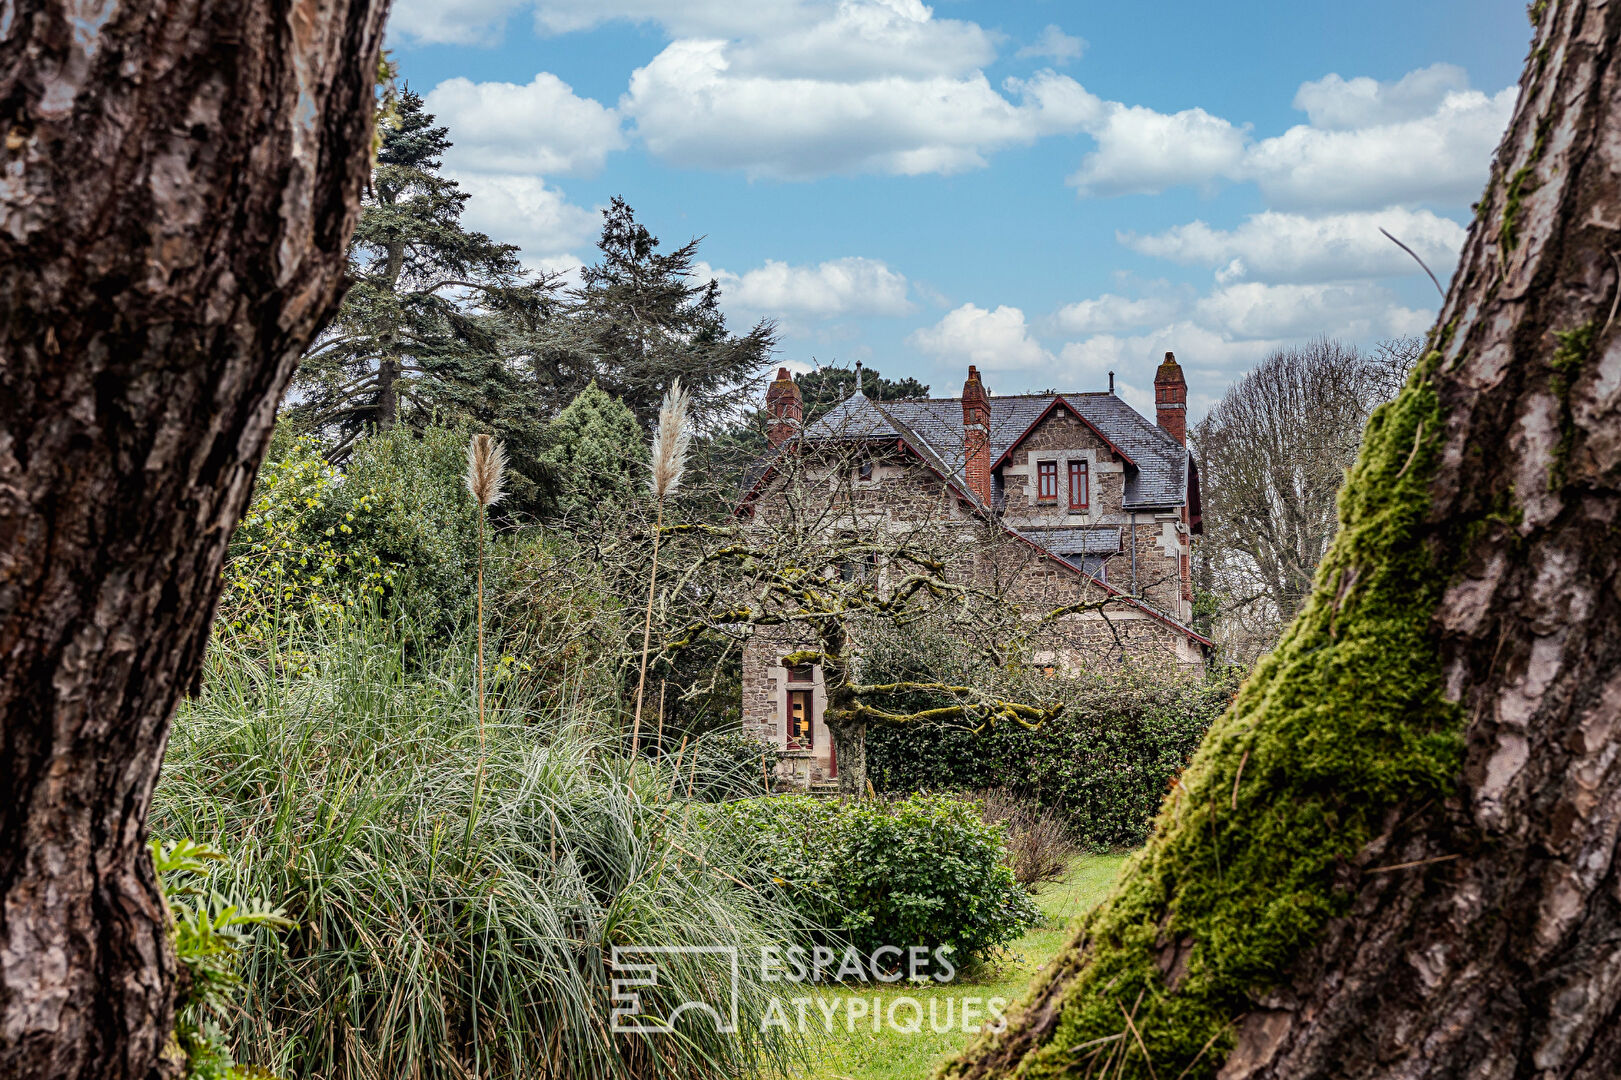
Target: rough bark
<point x="1475" y="932"/>
<point x="180" y="184"/>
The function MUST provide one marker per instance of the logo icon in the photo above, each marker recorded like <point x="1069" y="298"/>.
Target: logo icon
<point x="639" y="968"/>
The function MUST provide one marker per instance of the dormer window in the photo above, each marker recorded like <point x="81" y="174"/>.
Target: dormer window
<point x="1079" y="486"/>
<point x="1047" y="481"/>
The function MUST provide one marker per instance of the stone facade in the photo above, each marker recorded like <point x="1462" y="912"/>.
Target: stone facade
<point x="1123" y="543"/>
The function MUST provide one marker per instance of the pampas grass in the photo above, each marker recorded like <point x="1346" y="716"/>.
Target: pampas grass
<point x="670" y="443"/>
<point x="486" y="471"/>
<point x="456" y="906"/>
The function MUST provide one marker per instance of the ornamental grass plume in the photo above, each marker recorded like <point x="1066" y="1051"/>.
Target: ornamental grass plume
<point x="486" y="470"/>
<point x="670" y="444"/>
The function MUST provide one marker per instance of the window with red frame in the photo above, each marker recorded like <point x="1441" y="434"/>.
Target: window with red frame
<point x="1047" y="480"/>
<point x="1079" y="494"/>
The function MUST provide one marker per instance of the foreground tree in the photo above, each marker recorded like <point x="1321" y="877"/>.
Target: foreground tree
<point x="1395" y="855"/>
<point x="181" y="185"/>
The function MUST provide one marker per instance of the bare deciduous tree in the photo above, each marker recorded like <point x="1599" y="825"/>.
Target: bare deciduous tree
<point x="1272" y="455"/>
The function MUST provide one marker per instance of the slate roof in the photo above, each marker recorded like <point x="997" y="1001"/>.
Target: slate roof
<point x="1159" y="479"/>
<point x="1077" y="542"/>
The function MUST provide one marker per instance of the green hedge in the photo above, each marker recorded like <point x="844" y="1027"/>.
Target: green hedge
<point x="1106" y="762"/>
<point x="926" y="870"/>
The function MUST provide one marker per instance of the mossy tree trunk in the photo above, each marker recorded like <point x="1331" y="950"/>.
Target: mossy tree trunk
<point x="1395" y="856"/>
<point x="181" y="183"/>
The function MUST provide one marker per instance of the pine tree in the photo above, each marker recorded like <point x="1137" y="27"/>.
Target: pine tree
<point x="639" y="322"/>
<point x="595" y="451"/>
<point x="438" y="318"/>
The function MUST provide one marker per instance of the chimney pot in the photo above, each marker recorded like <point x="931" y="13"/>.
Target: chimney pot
<point x="1171" y="399"/>
<point x="976" y="435"/>
<point x="785" y="408"/>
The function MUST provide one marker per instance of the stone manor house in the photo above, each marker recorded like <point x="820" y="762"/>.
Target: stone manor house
<point x="1104" y="502"/>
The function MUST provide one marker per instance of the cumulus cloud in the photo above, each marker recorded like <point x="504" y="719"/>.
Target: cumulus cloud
<point x="838" y="287"/>
<point x="1055" y="45"/>
<point x="691" y="108"/>
<point x="540" y="127"/>
<point x="1275" y="246"/>
<point x="1423" y="138"/>
<point x="522" y="210"/>
<point x="1356" y="311"/>
<point x="1140" y="150"/>
<point x="451" y="22"/>
<point x="1341" y="104"/>
<point x="1111" y="313"/>
<point x="996" y="340"/>
<point x="1440" y="157"/>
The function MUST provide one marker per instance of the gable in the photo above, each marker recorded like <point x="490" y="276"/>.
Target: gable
<point x="1059" y="428"/>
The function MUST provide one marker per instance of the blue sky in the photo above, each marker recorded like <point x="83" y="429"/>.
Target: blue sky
<point x="1050" y="190"/>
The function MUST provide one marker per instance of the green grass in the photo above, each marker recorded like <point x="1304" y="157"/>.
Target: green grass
<point x="895" y="1055"/>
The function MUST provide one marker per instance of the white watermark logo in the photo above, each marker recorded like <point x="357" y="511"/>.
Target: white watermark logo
<point x="640" y="966"/>
<point x="643" y="984"/>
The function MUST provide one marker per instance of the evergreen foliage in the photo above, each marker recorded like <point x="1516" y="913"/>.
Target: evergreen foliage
<point x="639" y="321"/>
<point x="441" y="320"/>
<point x="595" y="453"/>
<point x="825" y="387"/>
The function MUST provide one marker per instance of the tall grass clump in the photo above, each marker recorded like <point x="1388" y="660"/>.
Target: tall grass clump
<point x="447" y="927"/>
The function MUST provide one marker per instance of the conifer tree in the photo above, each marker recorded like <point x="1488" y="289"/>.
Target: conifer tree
<point x="438" y="318"/>
<point x="639" y="321"/>
<point x="595" y="451"/>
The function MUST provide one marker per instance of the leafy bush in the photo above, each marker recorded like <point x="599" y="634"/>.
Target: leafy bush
<point x="211" y="934"/>
<point x="457" y="898"/>
<point x="925" y="870"/>
<point x="396" y="526"/>
<point x="1105" y="762"/>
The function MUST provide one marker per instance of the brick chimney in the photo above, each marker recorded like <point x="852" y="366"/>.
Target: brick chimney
<point x="1171" y="399"/>
<point x="976" y="435"/>
<point x="785" y="407"/>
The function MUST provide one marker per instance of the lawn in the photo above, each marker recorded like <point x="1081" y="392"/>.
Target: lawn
<point x="889" y="1054"/>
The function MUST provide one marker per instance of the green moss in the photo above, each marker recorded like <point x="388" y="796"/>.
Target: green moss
<point x="1536" y="11"/>
<point x="1575" y="347"/>
<point x="1344" y="721"/>
<point x="1521" y="184"/>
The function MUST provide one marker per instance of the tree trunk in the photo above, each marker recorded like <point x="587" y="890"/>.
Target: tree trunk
<point x="1395" y="856"/>
<point x="850" y="751"/>
<point x="388" y="394"/>
<point x="180" y="184"/>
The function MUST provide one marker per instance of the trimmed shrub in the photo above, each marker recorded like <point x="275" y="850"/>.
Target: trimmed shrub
<point x="1105" y="762"/>
<point x="926" y="870"/>
<point x="727" y="765"/>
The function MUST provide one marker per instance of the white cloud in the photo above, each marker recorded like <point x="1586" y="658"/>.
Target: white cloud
<point x="1055" y="45"/>
<point x="1443" y="157"/>
<point x="540" y="127"/>
<point x="453" y="22"/>
<point x="691" y="108"/>
<point x="1110" y="312"/>
<point x="1140" y="150"/>
<point x="1355" y="311"/>
<point x="1343" y="104"/>
<point x="522" y="210"/>
<point x="838" y="287"/>
<point x="1274" y="246"/>
<point x="1424" y="138"/>
<point x="995" y="340"/>
<point x="703" y="18"/>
